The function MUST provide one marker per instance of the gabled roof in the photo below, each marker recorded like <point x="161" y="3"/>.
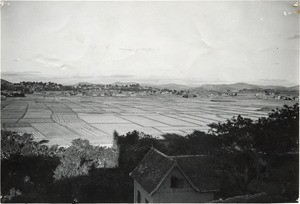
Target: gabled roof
<point x="152" y="169"/>
<point x="199" y="170"/>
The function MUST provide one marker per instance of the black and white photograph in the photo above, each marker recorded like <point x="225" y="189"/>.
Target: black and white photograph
<point x="150" y="101"/>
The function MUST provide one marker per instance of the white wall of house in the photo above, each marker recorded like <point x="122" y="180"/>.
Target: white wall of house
<point x="144" y="194"/>
<point x="165" y="194"/>
<point x="186" y="193"/>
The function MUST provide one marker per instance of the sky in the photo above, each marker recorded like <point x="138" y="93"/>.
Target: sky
<point x="196" y="42"/>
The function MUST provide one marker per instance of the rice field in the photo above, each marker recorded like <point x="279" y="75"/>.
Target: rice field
<point x="63" y="119"/>
<point x="66" y="118"/>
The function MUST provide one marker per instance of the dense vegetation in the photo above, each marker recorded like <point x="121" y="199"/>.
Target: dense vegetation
<point x="257" y="158"/>
<point x="34" y="172"/>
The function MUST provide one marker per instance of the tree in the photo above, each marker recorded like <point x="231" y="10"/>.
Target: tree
<point x="14" y="144"/>
<point x="26" y="168"/>
<point x="279" y="133"/>
<point x="196" y="143"/>
<point x="81" y="156"/>
<point x="250" y="150"/>
<point x="133" y="147"/>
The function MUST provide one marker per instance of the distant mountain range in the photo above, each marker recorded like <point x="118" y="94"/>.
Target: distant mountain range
<point x="241" y="86"/>
<point x="225" y="87"/>
<point x="123" y="83"/>
<point x="169" y="86"/>
<point x="82" y="83"/>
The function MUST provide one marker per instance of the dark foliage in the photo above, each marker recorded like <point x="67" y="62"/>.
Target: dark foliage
<point x="13" y="144"/>
<point x="279" y="133"/>
<point x="32" y="176"/>
<point x="251" y="150"/>
<point x="133" y="147"/>
<point x="26" y="168"/>
<point x="194" y="144"/>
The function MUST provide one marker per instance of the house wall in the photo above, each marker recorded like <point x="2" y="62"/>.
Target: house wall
<point x="187" y="194"/>
<point x="144" y="194"/>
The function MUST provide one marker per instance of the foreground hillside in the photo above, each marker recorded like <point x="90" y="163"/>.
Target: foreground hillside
<point x="258" y="158"/>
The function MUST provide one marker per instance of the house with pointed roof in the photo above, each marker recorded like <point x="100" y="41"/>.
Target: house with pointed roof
<point x="174" y="179"/>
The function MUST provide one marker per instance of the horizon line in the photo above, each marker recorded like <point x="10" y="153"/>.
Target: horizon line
<point x="155" y="84"/>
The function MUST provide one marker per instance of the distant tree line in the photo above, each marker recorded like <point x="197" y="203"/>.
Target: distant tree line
<point x="259" y="162"/>
<point x="12" y="94"/>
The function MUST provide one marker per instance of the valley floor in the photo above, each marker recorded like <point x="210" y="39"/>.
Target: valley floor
<point x="61" y="119"/>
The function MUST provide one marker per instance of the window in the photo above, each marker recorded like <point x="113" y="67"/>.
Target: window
<point x="176" y="182"/>
<point x="138" y="196"/>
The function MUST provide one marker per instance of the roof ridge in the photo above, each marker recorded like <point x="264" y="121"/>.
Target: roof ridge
<point x="196" y="155"/>
<point x="157" y="151"/>
<point x="164" y="155"/>
<point x="163" y="178"/>
<point x="141" y="161"/>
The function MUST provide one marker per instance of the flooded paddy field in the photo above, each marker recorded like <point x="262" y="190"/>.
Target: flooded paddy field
<point x="61" y="119"/>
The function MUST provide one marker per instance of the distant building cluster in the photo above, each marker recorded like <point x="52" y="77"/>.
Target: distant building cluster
<point x="276" y="95"/>
<point x="86" y="89"/>
<point x="118" y="90"/>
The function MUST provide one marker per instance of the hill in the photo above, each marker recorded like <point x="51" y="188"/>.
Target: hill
<point x="294" y="88"/>
<point x="82" y="83"/>
<point x="6" y="84"/>
<point x="123" y="83"/>
<point x="170" y="86"/>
